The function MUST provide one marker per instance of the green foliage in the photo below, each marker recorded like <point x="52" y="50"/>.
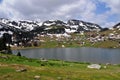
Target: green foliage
<point x="6" y="39"/>
<point x="18" y="54"/>
<point x="2" y="44"/>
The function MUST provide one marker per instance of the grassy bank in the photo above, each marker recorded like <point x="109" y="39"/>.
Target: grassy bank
<point x="53" y="70"/>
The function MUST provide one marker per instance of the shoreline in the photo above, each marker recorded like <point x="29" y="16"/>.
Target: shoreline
<point x="44" y="59"/>
<point x="20" y="48"/>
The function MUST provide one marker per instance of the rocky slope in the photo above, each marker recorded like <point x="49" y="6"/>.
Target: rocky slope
<point x="117" y="26"/>
<point x="79" y="25"/>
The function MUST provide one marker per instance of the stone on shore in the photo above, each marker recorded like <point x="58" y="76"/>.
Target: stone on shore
<point x="94" y="66"/>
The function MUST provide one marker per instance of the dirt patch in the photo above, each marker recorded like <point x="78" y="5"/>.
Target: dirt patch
<point x="3" y="65"/>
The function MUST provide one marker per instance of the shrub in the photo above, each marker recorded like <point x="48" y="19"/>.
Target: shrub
<point x="18" y="54"/>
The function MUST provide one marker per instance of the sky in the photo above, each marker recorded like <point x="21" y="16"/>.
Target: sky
<point x="106" y="13"/>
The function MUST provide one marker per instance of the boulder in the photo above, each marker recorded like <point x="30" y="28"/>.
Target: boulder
<point x="37" y="77"/>
<point x="21" y="70"/>
<point x="94" y="66"/>
<point x="63" y="46"/>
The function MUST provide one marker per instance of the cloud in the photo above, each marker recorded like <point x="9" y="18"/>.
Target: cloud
<point x="6" y="11"/>
<point x="59" y="9"/>
<point x="114" y="5"/>
<point x="80" y="9"/>
<point x="32" y="9"/>
<point x="110" y="24"/>
<point x="113" y="15"/>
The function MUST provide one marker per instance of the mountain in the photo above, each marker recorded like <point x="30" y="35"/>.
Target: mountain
<point x="117" y="26"/>
<point x="49" y="25"/>
<point x="17" y="30"/>
<point x="23" y="25"/>
<point x="23" y="29"/>
<point x="79" y="25"/>
<point x="57" y="26"/>
<point x="25" y="32"/>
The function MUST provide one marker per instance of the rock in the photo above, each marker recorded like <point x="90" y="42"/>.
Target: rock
<point x="108" y="64"/>
<point x="21" y="70"/>
<point x="63" y="46"/>
<point x="59" y="78"/>
<point x="37" y="77"/>
<point x="43" y="60"/>
<point x="94" y="66"/>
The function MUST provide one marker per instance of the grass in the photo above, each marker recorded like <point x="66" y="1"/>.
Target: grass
<point x="107" y="44"/>
<point x="75" y="44"/>
<point x="53" y="70"/>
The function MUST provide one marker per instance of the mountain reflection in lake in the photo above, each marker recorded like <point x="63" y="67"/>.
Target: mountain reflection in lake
<point x="92" y="55"/>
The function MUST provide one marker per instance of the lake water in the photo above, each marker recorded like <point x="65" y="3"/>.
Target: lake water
<point x="92" y="55"/>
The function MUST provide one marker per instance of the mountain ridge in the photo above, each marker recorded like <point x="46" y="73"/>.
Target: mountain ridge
<point x="48" y="26"/>
<point x="28" y="33"/>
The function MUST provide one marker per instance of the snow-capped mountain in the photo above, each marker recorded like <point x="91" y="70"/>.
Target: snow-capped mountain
<point x="8" y="29"/>
<point x="49" y="26"/>
<point x="23" y="25"/>
<point x="71" y="26"/>
<point x="75" y="25"/>
<point x="79" y="25"/>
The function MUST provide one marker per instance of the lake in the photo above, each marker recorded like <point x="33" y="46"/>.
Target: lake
<point x="92" y="55"/>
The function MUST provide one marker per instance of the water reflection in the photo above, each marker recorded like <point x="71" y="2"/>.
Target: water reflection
<point x="93" y="55"/>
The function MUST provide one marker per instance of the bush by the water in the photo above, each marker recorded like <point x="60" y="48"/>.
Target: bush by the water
<point x="18" y="54"/>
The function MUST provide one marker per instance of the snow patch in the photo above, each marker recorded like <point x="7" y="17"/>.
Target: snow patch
<point x="40" y="23"/>
<point x="74" y="26"/>
<point x="48" y="24"/>
<point x="70" y="30"/>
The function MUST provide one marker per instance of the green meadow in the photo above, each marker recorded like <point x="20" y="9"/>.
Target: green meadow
<point x="53" y="69"/>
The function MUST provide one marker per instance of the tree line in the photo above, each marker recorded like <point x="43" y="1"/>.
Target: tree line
<point x="5" y="42"/>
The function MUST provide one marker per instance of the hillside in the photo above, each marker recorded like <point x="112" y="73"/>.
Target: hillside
<point x="57" y="33"/>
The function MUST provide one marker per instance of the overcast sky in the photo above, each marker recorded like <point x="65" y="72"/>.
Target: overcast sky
<point x="106" y="13"/>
